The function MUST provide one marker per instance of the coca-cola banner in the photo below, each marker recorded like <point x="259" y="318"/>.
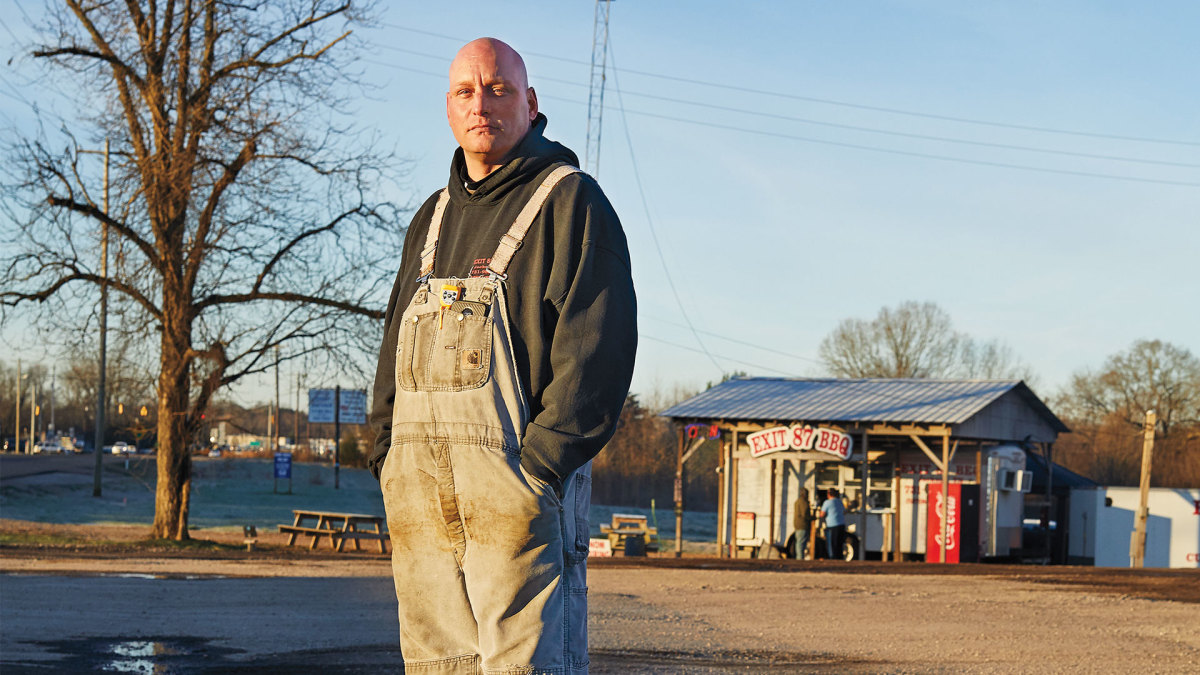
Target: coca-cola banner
<point x="800" y="437"/>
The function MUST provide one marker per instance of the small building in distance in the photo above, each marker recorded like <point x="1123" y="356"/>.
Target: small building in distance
<point x="897" y="450"/>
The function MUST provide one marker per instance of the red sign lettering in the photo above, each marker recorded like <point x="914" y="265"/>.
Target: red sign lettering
<point x="800" y="437"/>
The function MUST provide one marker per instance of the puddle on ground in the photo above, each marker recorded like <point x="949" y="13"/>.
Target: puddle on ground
<point x="154" y="655"/>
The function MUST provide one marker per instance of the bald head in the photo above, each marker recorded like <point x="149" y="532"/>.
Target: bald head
<point x="492" y="51"/>
<point x="490" y="104"/>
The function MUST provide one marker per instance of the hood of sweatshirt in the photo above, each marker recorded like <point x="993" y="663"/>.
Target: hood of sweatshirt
<point x="528" y="158"/>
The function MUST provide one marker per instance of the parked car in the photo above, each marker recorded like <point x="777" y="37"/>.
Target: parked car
<point x="121" y="448"/>
<point x="48" y="448"/>
<point x="215" y="452"/>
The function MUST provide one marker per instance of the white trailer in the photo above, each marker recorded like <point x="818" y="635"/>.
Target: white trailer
<point x="1102" y="522"/>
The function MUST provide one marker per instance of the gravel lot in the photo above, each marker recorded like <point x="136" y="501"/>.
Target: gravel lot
<point x="698" y="615"/>
<point x="89" y="596"/>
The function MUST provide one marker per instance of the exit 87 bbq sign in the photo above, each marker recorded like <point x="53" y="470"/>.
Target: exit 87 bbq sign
<point x="800" y="437"/>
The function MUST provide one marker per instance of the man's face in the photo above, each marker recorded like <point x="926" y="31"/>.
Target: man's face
<point x="490" y="105"/>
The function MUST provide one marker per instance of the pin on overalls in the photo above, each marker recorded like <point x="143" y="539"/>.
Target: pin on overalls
<point x="489" y="562"/>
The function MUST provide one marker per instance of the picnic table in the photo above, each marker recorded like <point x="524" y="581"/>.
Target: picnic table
<point x="631" y="527"/>
<point x="339" y="527"/>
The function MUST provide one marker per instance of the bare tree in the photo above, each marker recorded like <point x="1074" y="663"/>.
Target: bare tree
<point x="914" y="340"/>
<point x="242" y="197"/>
<point x="1150" y="375"/>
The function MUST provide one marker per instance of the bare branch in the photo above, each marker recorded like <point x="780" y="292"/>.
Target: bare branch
<point x="347" y="307"/>
<point x="91" y="211"/>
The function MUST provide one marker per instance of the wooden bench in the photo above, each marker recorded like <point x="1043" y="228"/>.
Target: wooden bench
<point x="339" y="527"/>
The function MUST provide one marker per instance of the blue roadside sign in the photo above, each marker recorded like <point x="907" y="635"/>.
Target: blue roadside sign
<point x="283" y="465"/>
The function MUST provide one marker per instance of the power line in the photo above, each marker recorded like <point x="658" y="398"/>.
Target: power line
<point x="644" y="336"/>
<point x="849" y="127"/>
<point x="855" y="146"/>
<point x="908" y="153"/>
<point x="650" y="221"/>
<point x="903" y="134"/>
<point x="8" y="30"/>
<point x="845" y="104"/>
<point x="743" y="342"/>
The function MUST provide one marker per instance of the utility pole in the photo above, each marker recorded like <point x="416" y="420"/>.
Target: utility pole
<point x="591" y="157"/>
<point x="17" y="415"/>
<point x="337" y="433"/>
<point x="32" y="413"/>
<point x="296" y="415"/>
<point x="1137" y="543"/>
<point x="53" y="382"/>
<point x="278" y="415"/>
<point x="100" y="396"/>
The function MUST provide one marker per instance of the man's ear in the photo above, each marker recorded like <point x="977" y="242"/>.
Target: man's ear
<point x="531" y="96"/>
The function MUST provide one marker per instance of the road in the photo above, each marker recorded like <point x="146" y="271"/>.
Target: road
<point x="644" y="619"/>
<point x="14" y="466"/>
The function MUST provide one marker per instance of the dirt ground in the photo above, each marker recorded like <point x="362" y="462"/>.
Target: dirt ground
<point x="706" y="615"/>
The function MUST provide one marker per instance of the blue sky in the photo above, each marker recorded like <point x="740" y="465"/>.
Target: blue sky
<point x="775" y="223"/>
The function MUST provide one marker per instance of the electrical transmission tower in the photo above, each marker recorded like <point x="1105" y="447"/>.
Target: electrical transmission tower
<point x="591" y="157"/>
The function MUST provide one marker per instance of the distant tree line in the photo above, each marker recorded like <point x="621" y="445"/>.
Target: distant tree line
<point x="639" y="465"/>
<point x="1106" y="409"/>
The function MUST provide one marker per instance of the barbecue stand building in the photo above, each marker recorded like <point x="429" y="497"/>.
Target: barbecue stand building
<point x="945" y="461"/>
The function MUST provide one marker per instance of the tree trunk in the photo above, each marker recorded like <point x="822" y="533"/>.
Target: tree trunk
<point x="173" y="490"/>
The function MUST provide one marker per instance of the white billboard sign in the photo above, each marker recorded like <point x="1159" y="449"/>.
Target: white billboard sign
<point x="353" y="408"/>
<point x="321" y="406"/>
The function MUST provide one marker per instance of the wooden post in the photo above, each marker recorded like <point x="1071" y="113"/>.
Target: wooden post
<point x="722" y="467"/>
<point x="733" y="502"/>
<point x="862" y="500"/>
<point x="771" y="516"/>
<point x="727" y="506"/>
<point x="679" y="496"/>
<point x="896" y="496"/>
<point x="945" y="497"/>
<point x="1137" y="544"/>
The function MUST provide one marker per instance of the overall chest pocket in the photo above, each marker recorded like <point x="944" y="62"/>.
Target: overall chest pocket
<point x="450" y="353"/>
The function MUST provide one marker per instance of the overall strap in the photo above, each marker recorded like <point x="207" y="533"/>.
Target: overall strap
<point x="511" y="240"/>
<point x="431" y="238"/>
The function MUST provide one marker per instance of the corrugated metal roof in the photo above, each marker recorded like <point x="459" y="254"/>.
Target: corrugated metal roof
<point x="897" y="401"/>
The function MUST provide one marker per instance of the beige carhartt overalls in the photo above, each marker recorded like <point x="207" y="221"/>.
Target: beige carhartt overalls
<point x="490" y="568"/>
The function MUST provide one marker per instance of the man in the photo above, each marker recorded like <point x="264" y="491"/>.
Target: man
<point x="802" y="524"/>
<point x="834" y="513"/>
<point x="507" y="355"/>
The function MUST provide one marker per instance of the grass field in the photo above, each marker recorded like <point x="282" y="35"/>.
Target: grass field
<point x="230" y="492"/>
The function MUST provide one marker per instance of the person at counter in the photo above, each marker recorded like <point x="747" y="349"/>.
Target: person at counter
<point x="834" y="514"/>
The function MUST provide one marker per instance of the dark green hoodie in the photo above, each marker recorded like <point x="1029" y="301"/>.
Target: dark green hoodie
<point x="571" y="301"/>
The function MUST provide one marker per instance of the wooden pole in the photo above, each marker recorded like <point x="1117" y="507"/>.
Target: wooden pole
<point x="896" y="497"/>
<point x="97" y="466"/>
<point x="278" y="416"/>
<point x="733" y="502"/>
<point x="722" y="467"/>
<point x="17" y="414"/>
<point x="862" y="500"/>
<point x="945" y="497"/>
<point x="1137" y="545"/>
<point x="679" y="495"/>
<point x="296" y="416"/>
<point x="337" y="436"/>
